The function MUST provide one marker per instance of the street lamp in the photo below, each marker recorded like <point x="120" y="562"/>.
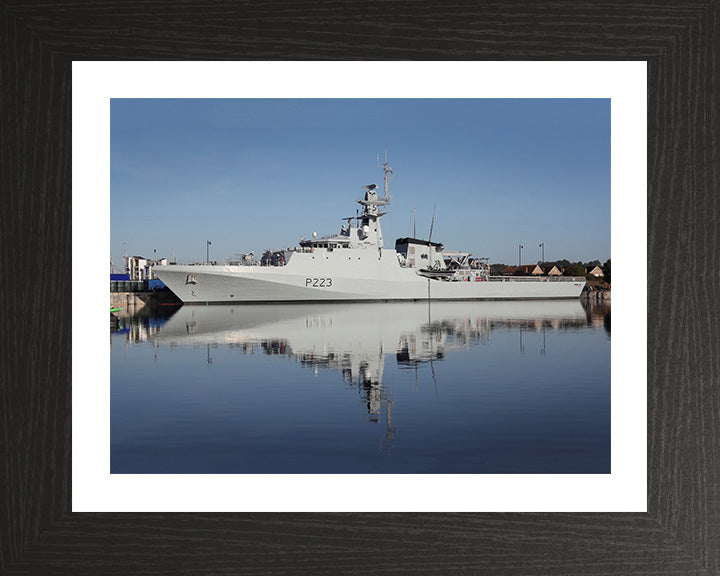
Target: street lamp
<point x="543" y="252"/>
<point x="207" y="260"/>
<point x="520" y="247"/>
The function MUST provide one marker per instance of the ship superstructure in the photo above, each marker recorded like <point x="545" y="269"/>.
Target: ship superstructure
<point x="354" y="265"/>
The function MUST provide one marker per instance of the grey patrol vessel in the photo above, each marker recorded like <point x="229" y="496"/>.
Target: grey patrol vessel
<point x="355" y="266"/>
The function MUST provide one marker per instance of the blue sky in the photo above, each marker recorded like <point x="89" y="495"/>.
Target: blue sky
<point x="253" y="174"/>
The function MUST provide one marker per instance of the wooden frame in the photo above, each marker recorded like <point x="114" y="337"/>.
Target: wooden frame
<point x="680" y="533"/>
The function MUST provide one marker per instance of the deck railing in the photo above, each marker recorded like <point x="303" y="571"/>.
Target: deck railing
<point x="536" y="279"/>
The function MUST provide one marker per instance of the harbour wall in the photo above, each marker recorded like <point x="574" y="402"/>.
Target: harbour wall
<point x="137" y="300"/>
<point x="595" y="293"/>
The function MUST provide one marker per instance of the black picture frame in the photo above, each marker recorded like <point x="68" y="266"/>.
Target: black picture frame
<point x="680" y="533"/>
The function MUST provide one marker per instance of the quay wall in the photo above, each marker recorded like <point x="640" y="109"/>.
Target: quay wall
<point x="137" y="300"/>
<point x="592" y="293"/>
<point x="127" y="300"/>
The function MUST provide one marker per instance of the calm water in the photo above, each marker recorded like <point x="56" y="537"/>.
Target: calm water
<point x="488" y="387"/>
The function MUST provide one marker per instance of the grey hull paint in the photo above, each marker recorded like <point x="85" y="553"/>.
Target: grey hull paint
<point x="341" y="278"/>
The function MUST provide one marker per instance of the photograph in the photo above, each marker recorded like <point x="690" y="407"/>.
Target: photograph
<point x="360" y="286"/>
<point x="225" y="157"/>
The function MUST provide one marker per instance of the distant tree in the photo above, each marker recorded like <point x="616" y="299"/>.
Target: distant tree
<point x="574" y="270"/>
<point x="606" y="270"/>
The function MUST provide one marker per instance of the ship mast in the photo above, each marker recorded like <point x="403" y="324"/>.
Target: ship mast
<point x="370" y="226"/>
<point x="388" y="174"/>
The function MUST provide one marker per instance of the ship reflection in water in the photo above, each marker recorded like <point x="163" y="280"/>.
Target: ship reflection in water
<point x="461" y="387"/>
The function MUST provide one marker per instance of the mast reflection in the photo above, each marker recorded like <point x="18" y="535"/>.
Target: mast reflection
<point x="354" y="339"/>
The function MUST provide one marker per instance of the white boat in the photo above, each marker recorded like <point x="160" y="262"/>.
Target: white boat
<point x="355" y="266"/>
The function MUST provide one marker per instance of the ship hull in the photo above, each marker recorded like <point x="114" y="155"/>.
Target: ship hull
<point x="348" y="276"/>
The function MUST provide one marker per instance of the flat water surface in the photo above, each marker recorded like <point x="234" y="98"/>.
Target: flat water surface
<point x="472" y="387"/>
